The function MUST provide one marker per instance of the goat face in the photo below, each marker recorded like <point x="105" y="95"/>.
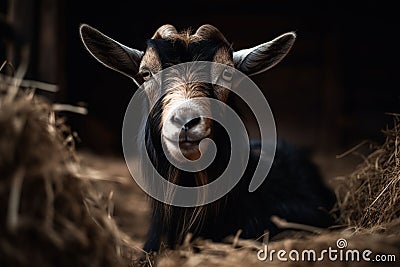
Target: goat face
<point x="182" y="119"/>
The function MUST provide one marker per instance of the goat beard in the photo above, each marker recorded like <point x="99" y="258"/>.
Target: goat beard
<point x="179" y="221"/>
<point x="191" y="220"/>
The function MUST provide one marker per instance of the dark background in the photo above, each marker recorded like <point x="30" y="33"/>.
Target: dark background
<point x="331" y="92"/>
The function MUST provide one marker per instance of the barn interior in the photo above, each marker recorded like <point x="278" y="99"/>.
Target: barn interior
<point x="335" y="95"/>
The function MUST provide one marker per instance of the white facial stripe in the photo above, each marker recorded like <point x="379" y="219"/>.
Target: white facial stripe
<point x="176" y="98"/>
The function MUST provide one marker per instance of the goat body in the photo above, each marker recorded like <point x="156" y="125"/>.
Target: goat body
<point x="293" y="190"/>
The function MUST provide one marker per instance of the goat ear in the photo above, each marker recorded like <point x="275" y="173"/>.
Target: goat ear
<point x="264" y="56"/>
<point x="109" y="52"/>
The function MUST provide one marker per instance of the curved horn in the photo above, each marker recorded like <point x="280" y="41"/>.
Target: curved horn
<point x="208" y="31"/>
<point x="164" y="32"/>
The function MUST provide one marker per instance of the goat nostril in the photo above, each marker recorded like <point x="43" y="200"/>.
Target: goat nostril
<point x="191" y="123"/>
<point x="184" y="122"/>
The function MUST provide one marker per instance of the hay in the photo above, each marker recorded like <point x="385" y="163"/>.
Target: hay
<point x="370" y="196"/>
<point x="383" y="240"/>
<point x="239" y="252"/>
<point x="50" y="212"/>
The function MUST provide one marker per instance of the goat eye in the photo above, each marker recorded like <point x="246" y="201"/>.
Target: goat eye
<point x="146" y="75"/>
<point x="227" y="75"/>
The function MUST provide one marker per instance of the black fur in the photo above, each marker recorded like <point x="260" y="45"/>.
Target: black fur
<point x="177" y="51"/>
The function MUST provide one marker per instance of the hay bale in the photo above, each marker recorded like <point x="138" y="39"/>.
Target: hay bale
<point x="370" y="196"/>
<point x="50" y="212"/>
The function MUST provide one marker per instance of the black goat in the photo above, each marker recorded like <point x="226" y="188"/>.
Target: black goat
<point x="293" y="189"/>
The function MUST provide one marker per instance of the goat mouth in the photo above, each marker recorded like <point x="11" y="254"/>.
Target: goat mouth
<point x="189" y="146"/>
<point x="186" y="141"/>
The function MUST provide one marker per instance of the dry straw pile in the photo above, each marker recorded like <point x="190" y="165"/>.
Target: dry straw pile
<point x="370" y="196"/>
<point x="50" y="212"/>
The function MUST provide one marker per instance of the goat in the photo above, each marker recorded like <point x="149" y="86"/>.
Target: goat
<point x="294" y="189"/>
